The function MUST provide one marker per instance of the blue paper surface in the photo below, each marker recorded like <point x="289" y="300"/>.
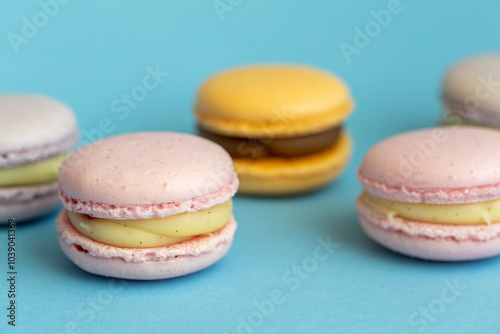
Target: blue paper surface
<point x="136" y="66"/>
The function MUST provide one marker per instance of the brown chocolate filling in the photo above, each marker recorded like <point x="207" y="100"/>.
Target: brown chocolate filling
<point x="254" y="148"/>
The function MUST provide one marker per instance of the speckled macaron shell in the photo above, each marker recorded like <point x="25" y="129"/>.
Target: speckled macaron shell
<point x="442" y="165"/>
<point x="471" y="89"/>
<point x="146" y="175"/>
<point x="272" y="100"/>
<point x="34" y="127"/>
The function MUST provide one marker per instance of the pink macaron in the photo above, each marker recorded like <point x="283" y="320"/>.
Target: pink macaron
<point x="36" y="134"/>
<point x="470" y="91"/>
<point x="434" y="194"/>
<point x="146" y="206"/>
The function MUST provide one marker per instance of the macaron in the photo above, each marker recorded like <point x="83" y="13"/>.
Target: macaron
<point x="146" y="206"/>
<point x="36" y="134"/>
<point x="281" y="124"/>
<point x="434" y="194"/>
<point x="471" y="92"/>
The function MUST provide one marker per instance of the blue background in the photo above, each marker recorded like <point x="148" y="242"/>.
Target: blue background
<point x="89" y="53"/>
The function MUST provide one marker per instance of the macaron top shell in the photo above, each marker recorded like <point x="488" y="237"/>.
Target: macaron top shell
<point x="145" y="175"/>
<point x="33" y="127"/>
<point x="473" y="87"/>
<point x="439" y="165"/>
<point x="283" y="98"/>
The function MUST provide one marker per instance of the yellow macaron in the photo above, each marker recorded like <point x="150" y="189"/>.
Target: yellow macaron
<point x="282" y="125"/>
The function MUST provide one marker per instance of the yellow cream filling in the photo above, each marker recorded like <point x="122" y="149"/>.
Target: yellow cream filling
<point x="458" y="214"/>
<point x="35" y="172"/>
<point x="153" y="232"/>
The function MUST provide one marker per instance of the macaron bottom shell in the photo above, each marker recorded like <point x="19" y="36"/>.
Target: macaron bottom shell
<point x="429" y="241"/>
<point x="289" y="176"/>
<point x="144" y="263"/>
